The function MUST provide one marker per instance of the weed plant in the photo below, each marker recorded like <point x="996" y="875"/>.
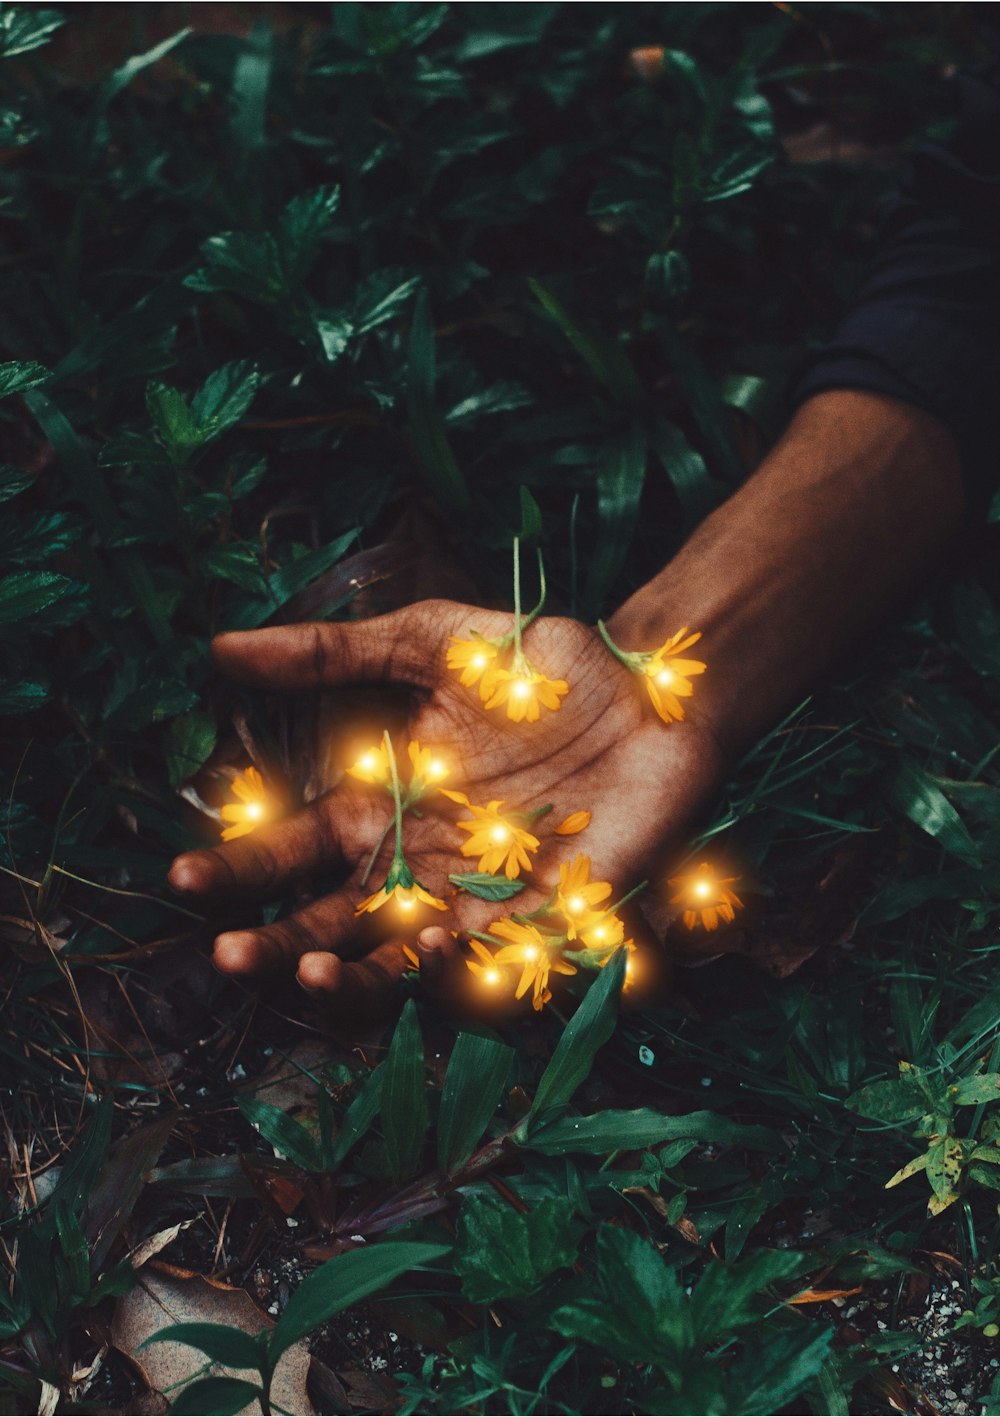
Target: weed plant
<point x="288" y="311"/>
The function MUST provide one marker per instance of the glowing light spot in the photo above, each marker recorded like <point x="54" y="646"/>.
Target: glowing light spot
<point x="479" y="661"/>
<point x="255" y="810"/>
<point x="531" y="952"/>
<point x="405" y="903"/>
<point x="500" y="833"/>
<point x="576" y="903"/>
<point x="600" y="933"/>
<point x="521" y="689"/>
<point x="629" y="969"/>
<point x="368" y="762"/>
<point x="703" y="889"/>
<point x="492" y="976"/>
<point x="437" y="768"/>
<point x="665" y="677"/>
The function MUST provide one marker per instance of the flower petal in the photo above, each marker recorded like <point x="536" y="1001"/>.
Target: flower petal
<point x="575" y="822"/>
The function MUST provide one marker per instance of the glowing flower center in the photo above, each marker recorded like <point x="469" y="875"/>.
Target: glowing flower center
<point x="702" y="889"/>
<point x="492" y="976"/>
<point x="479" y="661"/>
<point x="600" y="933"/>
<point x="405" y="903"/>
<point x="531" y="952"/>
<point x="255" y="810"/>
<point x="500" y="833"/>
<point x="576" y="903"/>
<point x="437" y="768"/>
<point x="368" y="761"/>
<point x="521" y="688"/>
<point x="664" y="677"/>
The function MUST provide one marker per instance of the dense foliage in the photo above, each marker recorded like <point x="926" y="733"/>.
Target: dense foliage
<point x="311" y="317"/>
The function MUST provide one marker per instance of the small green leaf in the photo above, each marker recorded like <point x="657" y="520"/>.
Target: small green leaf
<point x="477" y="1070"/>
<point x="28" y="593"/>
<point x="503" y="1254"/>
<point x="229" y="1346"/>
<point x="20" y="374"/>
<point x="13" y="481"/>
<point x="589" y="1028"/>
<point x="983" y="1088"/>
<point x="288" y="1137"/>
<point x="360" y="1115"/>
<point x="189" y="744"/>
<point x="224" y="398"/>
<point x="916" y="795"/>
<point x="344" y="1281"/>
<point x="404" y="1102"/>
<point x="611" y="1130"/>
<point x="487" y="887"/>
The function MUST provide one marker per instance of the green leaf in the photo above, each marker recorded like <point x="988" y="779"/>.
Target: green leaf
<point x="697" y="492"/>
<point x="173" y="421"/>
<point x="404" y="1101"/>
<point x="944" y="1168"/>
<point x="611" y="1130"/>
<point x="125" y="73"/>
<point x="133" y="450"/>
<point x="13" y="481"/>
<point x="22" y="697"/>
<point x="344" y="1281"/>
<point x="427" y="429"/>
<point x="29" y="593"/>
<point x="503" y="1254"/>
<point x="916" y="795"/>
<point x="381" y="297"/>
<point x="531" y="517"/>
<point x="301" y="228"/>
<point x="983" y="1088"/>
<point x="477" y="1070"/>
<point x="20" y="374"/>
<point x="229" y="1346"/>
<point x="901" y="1100"/>
<point x="360" y="1115"/>
<point x="606" y="361"/>
<point x="224" y="398"/>
<point x="189" y="744"/>
<point x="620" y="480"/>
<point x="487" y="887"/>
<point x="769" y="1377"/>
<point x="23" y="29"/>
<point x="589" y="1028"/>
<point x="215" y="1397"/>
<point x="288" y="1137"/>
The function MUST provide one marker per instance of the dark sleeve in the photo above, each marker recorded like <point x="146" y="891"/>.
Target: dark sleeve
<point x="925" y="326"/>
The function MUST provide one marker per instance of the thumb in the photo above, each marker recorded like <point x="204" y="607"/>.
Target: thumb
<point x="403" y="647"/>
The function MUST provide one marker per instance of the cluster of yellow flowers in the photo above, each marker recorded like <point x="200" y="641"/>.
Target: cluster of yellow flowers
<point x="575" y="928"/>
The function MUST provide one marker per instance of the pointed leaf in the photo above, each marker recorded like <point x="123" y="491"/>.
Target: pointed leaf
<point x="589" y="1028"/>
<point x="404" y="1101"/>
<point x="477" y="1070"/>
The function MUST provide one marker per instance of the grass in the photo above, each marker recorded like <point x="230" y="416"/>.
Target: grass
<point x="279" y="323"/>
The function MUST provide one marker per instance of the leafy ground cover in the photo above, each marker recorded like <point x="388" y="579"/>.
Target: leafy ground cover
<point x="307" y="312"/>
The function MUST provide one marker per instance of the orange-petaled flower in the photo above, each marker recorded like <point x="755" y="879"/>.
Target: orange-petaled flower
<point x="472" y="658"/>
<point x="706" y="898"/>
<point x="577" y="895"/>
<point x="668" y="678"/>
<point x="407" y="898"/>
<point x="373" y="766"/>
<point x="601" y="931"/>
<point x="529" y="949"/>
<point x="252" y="809"/>
<point x="484" y="966"/>
<point x="525" y="691"/>
<point x="427" y="768"/>
<point x="574" y="823"/>
<point x="498" y="841"/>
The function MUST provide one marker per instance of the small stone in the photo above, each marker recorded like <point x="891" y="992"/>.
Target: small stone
<point x="272" y="1308"/>
<point x="291" y="1222"/>
<point x="951" y="1394"/>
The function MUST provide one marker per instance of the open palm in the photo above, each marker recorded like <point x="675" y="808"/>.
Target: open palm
<point x="604" y="750"/>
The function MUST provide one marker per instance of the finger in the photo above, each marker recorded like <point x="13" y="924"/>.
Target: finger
<point x="328" y="924"/>
<point x="264" y="859"/>
<point x="437" y="948"/>
<point x="402" y="647"/>
<point x="359" y="990"/>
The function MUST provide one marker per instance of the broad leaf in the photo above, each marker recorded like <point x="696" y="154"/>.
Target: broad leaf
<point x="589" y="1028"/>
<point x="610" y="1130"/>
<point x="229" y="1346"/>
<point x="404" y="1101"/>
<point x="504" y="1254"/>
<point x="288" y="1137"/>
<point x="477" y="1070"/>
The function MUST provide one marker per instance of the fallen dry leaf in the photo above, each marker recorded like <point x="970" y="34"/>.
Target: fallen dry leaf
<point x="160" y="1299"/>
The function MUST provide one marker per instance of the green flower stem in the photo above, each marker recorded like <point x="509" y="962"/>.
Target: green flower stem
<point x="518" y="656"/>
<point x="630" y="661"/>
<point x="625" y="898"/>
<point x="397" y="802"/>
<point x="541" y="594"/>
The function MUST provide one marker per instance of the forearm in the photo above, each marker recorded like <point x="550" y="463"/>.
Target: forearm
<point x="858" y="500"/>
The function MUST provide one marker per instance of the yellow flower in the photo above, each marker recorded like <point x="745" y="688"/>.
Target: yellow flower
<point x="472" y="657"/>
<point x="601" y="931"/>
<point x="427" y="768"/>
<point x="407" y="898"/>
<point x="668" y="679"/>
<point x="484" y="964"/>
<point x="373" y="766"/>
<point x="529" y="949"/>
<point x="708" y="900"/>
<point x="577" y="894"/>
<point x="498" y="842"/>
<point x="574" y="823"/>
<point x="525" y="691"/>
<point x="251" y="810"/>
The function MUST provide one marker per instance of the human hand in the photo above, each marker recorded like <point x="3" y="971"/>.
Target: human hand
<point x="604" y="750"/>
